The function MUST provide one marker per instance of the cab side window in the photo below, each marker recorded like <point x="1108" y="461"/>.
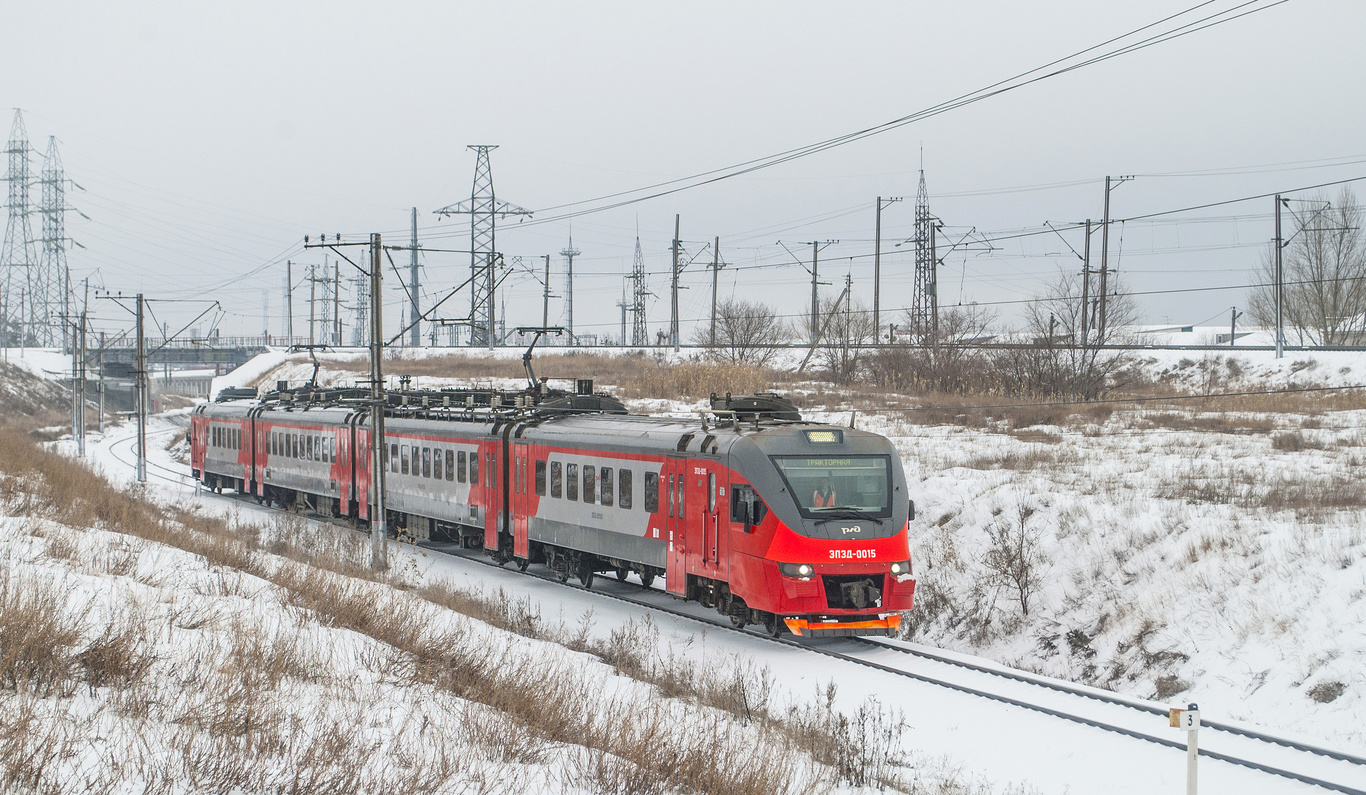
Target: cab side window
<point x="746" y="507"/>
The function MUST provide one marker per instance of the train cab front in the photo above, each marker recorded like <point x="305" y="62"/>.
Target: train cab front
<point x="837" y="562"/>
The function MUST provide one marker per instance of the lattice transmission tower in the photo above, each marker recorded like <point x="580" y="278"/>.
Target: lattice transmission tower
<point x="17" y="257"/>
<point x="925" y="298"/>
<point x="639" y="335"/>
<point x="54" y="275"/>
<point x="484" y="209"/>
<point x="360" y="311"/>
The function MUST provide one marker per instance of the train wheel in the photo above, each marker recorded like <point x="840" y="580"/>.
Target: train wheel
<point x="558" y="566"/>
<point x="522" y="563"/>
<point x="737" y="611"/>
<point x="621" y="574"/>
<point x="774" y="626"/>
<point x="585" y="573"/>
<point x="647" y="578"/>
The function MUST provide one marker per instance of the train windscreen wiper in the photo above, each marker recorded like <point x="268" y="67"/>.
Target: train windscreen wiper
<point x="849" y="513"/>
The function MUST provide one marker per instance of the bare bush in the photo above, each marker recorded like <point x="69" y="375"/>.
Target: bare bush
<point x="1014" y="557"/>
<point x="747" y="332"/>
<point x="952" y="361"/>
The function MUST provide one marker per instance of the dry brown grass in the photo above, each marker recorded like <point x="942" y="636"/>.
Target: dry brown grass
<point x="1208" y="422"/>
<point x="37" y="638"/>
<point x="1309" y="495"/>
<point x="29" y="403"/>
<point x="633" y="375"/>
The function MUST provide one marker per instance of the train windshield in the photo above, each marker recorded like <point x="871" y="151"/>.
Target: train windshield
<point x="830" y="486"/>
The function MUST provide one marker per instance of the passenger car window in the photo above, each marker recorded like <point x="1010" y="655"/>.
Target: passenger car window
<point x="426" y="462"/>
<point x="393" y="458"/>
<point x="450" y="465"/>
<point x="556" y="479"/>
<point x="436" y="463"/>
<point x="540" y="478"/>
<point x="460" y="466"/>
<point x="605" y="488"/>
<point x="652" y="492"/>
<point x="474" y="467"/>
<point x="571" y="476"/>
<point x="590" y="480"/>
<point x="624" y="488"/>
<point x="404" y="457"/>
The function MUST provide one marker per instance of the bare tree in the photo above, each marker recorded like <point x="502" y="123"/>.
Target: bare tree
<point x="1324" y="268"/>
<point x="1066" y="356"/>
<point x="951" y="362"/>
<point x="847" y="332"/>
<point x="746" y="333"/>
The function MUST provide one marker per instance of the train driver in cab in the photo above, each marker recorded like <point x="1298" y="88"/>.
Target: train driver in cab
<point x="824" y="495"/>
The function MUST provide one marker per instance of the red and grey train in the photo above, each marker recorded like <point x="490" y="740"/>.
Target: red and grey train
<point x="794" y="525"/>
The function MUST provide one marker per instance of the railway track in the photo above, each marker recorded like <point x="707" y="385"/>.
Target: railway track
<point x="1138" y="719"/>
<point x="1329" y="769"/>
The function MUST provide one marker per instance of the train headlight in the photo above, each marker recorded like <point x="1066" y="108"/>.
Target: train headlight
<point x="796" y="569"/>
<point x="901" y="567"/>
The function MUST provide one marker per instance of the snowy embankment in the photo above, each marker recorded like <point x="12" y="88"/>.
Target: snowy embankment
<point x="1172" y="553"/>
<point x="179" y="640"/>
<point x="1176" y="553"/>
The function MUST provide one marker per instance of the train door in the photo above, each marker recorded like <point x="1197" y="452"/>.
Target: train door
<point x="489" y="489"/>
<point x="703" y="517"/>
<point x="674" y="477"/>
<point x="521" y="498"/>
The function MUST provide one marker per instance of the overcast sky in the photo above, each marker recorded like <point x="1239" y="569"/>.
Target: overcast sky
<point x="210" y="138"/>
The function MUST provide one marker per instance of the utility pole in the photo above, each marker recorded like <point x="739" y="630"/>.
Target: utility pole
<point x="1086" y="285"/>
<point x="1279" y="289"/>
<point x="80" y="373"/>
<point x="816" y="246"/>
<point x="336" y="305"/>
<point x="289" y="302"/>
<point x="99" y="386"/>
<point x="877" y="261"/>
<point x="1233" y="314"/>
<point x="140" y="399"/>
<point x="623" y="304"/>
<point x="312" y="302"/>
<point x="673" y="289"/>
<point x="378" y="524"/>
<point x="715" y="270"/>
<point x="569" y="254"/>
<point x="1105" y="254"/>
<point x="545" y="297"/>
<point x="414" y="284"/>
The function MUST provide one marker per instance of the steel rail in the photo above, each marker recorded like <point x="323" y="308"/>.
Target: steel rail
<point x="1109" y="698"/>
<point x="1057" y="713"/>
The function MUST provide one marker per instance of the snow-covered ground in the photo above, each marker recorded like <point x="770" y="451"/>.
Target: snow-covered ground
<point x="1194" y="559"/>
<point x="980" y="745"/>
<point x="1181" y="555"/>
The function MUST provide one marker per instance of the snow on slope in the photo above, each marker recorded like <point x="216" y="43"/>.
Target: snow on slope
<point x="1178" y="565"/>
<point x="1180" y="556"/>
<point x="956" y="744"/>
